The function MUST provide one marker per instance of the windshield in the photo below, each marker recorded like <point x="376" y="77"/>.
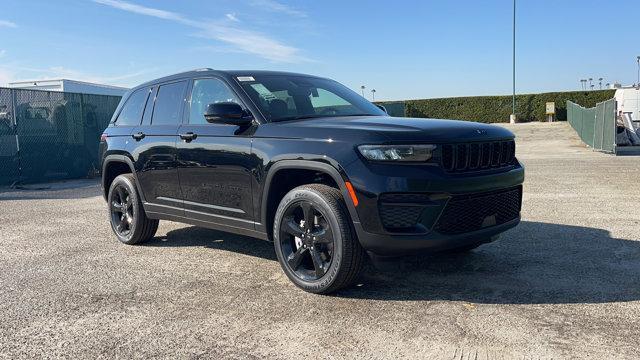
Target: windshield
<point x="285" y="97"/>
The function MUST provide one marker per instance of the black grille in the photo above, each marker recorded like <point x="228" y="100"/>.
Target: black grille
<point x="400" y="211"/>
<point x="466" y="213"/>
<point x="477" y="156"/>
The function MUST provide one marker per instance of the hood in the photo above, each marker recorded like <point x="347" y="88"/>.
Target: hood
<point x="394" y="129"/>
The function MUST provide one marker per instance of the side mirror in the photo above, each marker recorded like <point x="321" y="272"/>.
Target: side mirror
<point x="382" y="108"/>
<point x="227" y="113"/>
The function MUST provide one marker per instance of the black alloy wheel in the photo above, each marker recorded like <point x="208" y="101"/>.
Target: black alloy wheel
<point x="306" y="240"/>
<point x="122" y="211"/>
<point x="126" y="214"/>
<point x="314" y="241"/>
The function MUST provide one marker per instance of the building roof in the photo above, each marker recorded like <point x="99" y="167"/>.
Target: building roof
<point x="35" y="83"/>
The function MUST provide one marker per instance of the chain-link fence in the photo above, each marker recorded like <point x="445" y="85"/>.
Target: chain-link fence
<point x="47" y="135"/>
<point x="595" y="126"/>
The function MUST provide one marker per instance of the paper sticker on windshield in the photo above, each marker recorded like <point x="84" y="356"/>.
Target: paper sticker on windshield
<point x="246" y="78"/>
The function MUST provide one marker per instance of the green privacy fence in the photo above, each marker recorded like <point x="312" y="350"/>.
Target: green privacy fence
<point x="493" y="109"/>
<point x="46" y="135"/>
<point x="596" y="126"/>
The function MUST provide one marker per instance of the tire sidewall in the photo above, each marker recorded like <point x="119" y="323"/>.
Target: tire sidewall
<point x="291" y="198"/>
<point x="125" y="181"/>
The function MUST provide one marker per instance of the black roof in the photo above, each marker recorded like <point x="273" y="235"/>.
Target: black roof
<point x="223" y="73"/>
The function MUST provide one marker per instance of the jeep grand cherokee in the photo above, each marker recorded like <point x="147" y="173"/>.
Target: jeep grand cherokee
<point x="308" y="164"/>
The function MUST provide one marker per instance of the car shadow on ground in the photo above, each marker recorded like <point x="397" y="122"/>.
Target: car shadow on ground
<point x="534" y="263"/>
<point x="212" y="239"/>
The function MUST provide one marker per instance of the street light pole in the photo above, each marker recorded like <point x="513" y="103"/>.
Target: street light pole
<point x="638" y="60"/>
<point x="513" y="100"/>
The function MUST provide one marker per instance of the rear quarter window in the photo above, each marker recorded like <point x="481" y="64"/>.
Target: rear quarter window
<point x="131" y="113"/>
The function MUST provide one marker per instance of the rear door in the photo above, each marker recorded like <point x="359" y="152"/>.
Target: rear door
<point x="215" y="161"/>
<point x="154" y="150"/>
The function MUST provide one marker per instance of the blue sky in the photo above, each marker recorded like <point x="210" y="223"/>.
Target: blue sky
<point x="403" y="49"/>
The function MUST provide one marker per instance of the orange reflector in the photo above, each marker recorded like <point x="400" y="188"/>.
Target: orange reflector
<point x="352" y="193"/>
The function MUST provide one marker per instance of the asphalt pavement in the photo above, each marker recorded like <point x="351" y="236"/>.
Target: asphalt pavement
<point x="565" y="283"/>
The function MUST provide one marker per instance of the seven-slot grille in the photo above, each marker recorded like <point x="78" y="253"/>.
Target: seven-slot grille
<point x="466" y="213"/>
<point x="477" y="156"/>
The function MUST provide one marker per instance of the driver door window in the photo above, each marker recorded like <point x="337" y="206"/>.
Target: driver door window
<point x="205" y="92"/>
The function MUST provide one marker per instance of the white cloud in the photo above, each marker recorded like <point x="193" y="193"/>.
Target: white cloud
<point x="7" y="23"/>
<point x="9" y="73"/>
<point x="272" y="5"/>
<point x="246" y="40"/>
<point x="232" y="17"/>
<point x="3" y="53"/>
<point x="142" y="10"/>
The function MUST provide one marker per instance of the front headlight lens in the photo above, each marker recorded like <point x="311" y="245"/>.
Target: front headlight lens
<point x="408" y="153"/>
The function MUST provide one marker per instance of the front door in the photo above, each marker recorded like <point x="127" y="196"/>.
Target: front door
<point x="214" y="161"/>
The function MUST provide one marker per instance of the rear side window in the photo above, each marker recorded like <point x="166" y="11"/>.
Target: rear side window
<point x="168" y="104"/>
<point x="131" y="113"/>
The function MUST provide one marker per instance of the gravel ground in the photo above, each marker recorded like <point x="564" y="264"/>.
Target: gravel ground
<point x="563" y="284"/>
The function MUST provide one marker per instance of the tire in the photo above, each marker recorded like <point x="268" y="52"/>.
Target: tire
<point x="131" y="226"/>
<point x="325" y="256"/>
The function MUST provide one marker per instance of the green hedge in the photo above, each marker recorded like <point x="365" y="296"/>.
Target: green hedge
<point x="492" y="109"/>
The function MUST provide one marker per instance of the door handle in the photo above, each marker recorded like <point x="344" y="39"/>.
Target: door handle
<point x="188" y="136"/>
<point x="138" y="136"/>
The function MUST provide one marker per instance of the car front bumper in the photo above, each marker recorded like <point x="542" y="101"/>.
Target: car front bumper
<point x="394" y="244"/>
<point x="439" y="224"/>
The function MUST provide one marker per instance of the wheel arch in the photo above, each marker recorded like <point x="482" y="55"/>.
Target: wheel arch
<point x="114" y="165"/>
<point x="266" y="213"/>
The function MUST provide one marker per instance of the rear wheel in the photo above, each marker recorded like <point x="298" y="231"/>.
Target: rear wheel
<point x="313" y="240"/>
<point x="128" y="219"/>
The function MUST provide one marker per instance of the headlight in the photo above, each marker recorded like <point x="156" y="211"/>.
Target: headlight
<point x="409" y="153"/>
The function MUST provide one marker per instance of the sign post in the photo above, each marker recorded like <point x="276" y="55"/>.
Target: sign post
<point x="551" y="111"/>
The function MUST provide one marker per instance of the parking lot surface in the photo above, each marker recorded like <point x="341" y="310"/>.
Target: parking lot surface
<point x="565" y="283"/>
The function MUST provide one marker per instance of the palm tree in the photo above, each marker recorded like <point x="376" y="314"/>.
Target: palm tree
<point x="590" y="80"/>
<point x="373" y="94"/>
<point x="362" y="87"/>
<point x="600" y="83"/>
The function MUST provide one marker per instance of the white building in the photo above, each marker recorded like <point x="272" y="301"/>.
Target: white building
<point x="628" y="101"/>
<point x="67" y="85"/>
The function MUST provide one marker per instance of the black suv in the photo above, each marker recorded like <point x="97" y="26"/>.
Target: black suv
<point x="308" y="164"/>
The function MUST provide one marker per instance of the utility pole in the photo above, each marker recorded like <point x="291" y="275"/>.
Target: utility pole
<point x="638" y="61"/>
<point x="513" y="99"/>
<point x="362" y="87"/>
<point x="373" y="94"/>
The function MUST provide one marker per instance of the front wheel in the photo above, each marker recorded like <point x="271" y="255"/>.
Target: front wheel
<point x="313" y="240"/>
